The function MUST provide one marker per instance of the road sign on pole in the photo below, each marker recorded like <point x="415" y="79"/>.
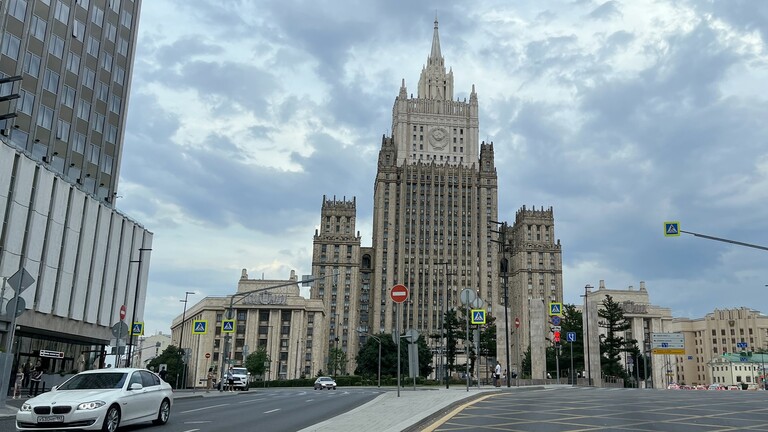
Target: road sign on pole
<point x="20" y="281"/>
<point x="122" y="312"/>
<point x="517" y="322"/>
<point x="672" y="229"/>
<point x="399" y="293"/>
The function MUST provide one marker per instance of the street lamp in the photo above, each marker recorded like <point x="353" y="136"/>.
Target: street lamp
<point x="336" y="356"/>
<point x="443" y="340"/>
<point x="242" y="295"/>
<point x="361" y="331"/>
<point x="135" y="302"/>
<point x="181" y="339"/>
<point x="587" y="289"/>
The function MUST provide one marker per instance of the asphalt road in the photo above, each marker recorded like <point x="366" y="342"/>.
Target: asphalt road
<point x="593" y="409"/>
<point x="270" y="409"/>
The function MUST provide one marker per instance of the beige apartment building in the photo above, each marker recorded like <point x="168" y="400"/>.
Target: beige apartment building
<point x="716" y="338"/>
<point x="276" y="317"/>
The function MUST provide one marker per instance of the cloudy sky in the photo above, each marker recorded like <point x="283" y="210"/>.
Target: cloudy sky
<point x="620" y="115"/>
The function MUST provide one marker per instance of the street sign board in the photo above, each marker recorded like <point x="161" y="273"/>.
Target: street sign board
<point x="52" y="354"/>
<point x="207" y="355"/>
<point x="570" y="336"/>
<point x="21" y="305"/>
<point x="556" y="309"/>
<point x="138" y="328"/>
<point x="120" y="330"/>
<point x="199" y="326"/>
<point x="555" y="320"/>
<point x="411" y="335"/>
<point x="21" y="280"/>
<point x="228" y="326"/>
<point x="122" y="312"/>
<point x="399" y="293"/>
<point x="668" y="343"/>
<point x="478" y="316"/>
<point x="672" y="229"/>
<point x="741" y="344"/>
<point x="556" y="328"/>
<point x="467" y="296"/>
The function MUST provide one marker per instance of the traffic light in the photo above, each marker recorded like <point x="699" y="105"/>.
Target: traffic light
<point x="557" y="336"/>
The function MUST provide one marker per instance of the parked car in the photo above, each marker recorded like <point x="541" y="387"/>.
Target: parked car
<point x="102" y="399"/>
<point x="323" y="383"/>
<point x="734" y="387"/>
<point x="715" y="387"/>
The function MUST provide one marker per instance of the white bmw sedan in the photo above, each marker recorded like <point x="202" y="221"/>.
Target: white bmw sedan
<point x="102" y="399"/>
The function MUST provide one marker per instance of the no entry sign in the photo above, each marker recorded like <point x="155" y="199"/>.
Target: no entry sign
<point x="399" y="293"/>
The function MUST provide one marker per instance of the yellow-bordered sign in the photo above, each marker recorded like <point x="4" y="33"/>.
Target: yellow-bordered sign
<point x="672" y="229"/>
<point x="556" y="309"/>
<point x="137" y="329"/>
<point x="478" y="316"/>
<point x="228" y="326"/>
<point x="199" y="327"/>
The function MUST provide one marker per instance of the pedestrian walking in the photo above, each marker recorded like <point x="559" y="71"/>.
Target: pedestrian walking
<point x="209" y="380"/>
<point x="27" y="370"/>
<point x="162" y="373"/>
<point x="497" y="374"/>
<point x="231" y="379"/>
<point x="18" y="383"/>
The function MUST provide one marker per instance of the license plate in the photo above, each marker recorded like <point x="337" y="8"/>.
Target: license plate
<point x="50" y="419"/>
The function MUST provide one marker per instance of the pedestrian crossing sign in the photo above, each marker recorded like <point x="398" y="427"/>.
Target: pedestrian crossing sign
<point x="199" y="327"/>
<point x="478" y="316"/>
<point x="228" y="326"/>
<point x="138" y="328"/>
<point x="556" y="309"/>
<point x="672" y="229"/>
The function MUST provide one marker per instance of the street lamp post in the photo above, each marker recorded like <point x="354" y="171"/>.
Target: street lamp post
<point x="587" y="289"/>
<point x="242" y="295"/>
<point x="504" y="270"/>
<point x="135" y="302"/>
<point x="361" y="331"/>
<point x="443" y="339"/>
<point x="181" y="340"/>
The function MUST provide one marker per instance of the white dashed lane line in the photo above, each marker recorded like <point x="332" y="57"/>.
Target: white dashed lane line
<point x="271" y="411"/>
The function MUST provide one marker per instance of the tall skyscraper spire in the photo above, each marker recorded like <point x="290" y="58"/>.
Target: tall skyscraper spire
<point x="435" y="54"/>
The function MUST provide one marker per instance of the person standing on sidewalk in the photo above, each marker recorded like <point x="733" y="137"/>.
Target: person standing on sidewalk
<point x="231" y="379"/>
<point x="35" y="377"/>
<point x="497" y="374"/>
<point x="17" y="384"/>
<point x="209" y="380"/>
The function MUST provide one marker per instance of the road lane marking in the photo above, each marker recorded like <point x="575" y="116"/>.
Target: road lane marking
<point x="252" y="400"/>
<point x="271" y="411"/>
<point x="448" y="416"/>
<point x="204" y="408"/>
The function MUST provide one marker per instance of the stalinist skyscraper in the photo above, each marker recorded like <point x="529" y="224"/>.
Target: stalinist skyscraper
<point x="435" y="196"/>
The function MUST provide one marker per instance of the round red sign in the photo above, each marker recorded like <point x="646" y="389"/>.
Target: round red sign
<point x="517" y="322"/>
<point x="207" y="355"/>
<point x="399" y="293"/>
<point x="122" y="312"/>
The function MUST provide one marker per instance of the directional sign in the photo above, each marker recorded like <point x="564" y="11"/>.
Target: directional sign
<point x="399" y="293"/>
<point x="478" y="316"/>
<point x="556" y="309"/>
<point x="228" y="326"/>
<point x="199" y="327"/>
<point x="672" y="229"/>
<point x="556" y="328"/>
<point x="741" y="344"/>
<point x="138" y="328"/>
<point x="52" y="354"/>
<point x="570" y="336"/>
<point x="555" y="320"/>
<point x="668" y="343"/>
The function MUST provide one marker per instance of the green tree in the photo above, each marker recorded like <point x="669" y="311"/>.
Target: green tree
<point x="526" y="364"/>
<point x="171" y="357"/>
<point x="612" y="343"/>
<point x="453" y="331"/>
<point x="368" y="357"/>
<point x="256" y="362"/>
<point x="572" y="322"/>
<point x="337" y="361"/>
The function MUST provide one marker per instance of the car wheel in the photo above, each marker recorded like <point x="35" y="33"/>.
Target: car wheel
<point x="111" y="420"/>
<point x="163" y="413"/>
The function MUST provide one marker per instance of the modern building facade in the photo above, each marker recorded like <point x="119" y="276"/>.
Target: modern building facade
<point x="59" y="166"/>
<point x="291" y="328"/>
<point x="75" y="58"/>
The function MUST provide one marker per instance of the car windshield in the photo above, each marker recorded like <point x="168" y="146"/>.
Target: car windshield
<point x="95" y="381"/>
<point x="325" y="379"/>
<point x="239" y="371"/>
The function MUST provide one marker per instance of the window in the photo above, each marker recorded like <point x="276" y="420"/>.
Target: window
<point x="101" y="91"/>
<point x="106" y="61"/>
<point x="114" y="104"/>
<point x="78" y="30"/>
<point x="11" y="46"/>
<point x="122" y="47"/>
<point x="97" y="16"/>
<point x="114" y="5"/>
<point x="98" y="123"/>
<point x="93" y="154"/>
<point x="119" y="75"/>
<point x="89" y="76"/>
<point x="17" y="9"/>
<point x="111" y="32"/>
<point x="56" y="46"/>
<point x="111" y="134"/>
<point x="45" y="117"/>
<point x="83" y="3"/>
<point x="83" y="110"/>
<point x="73" y="62"/>
<point x="78" y="143"/>
<point x="93" y="46"/>
<point x="62" y="130"/>
<point x="37" y="27"/>
<point x="26" y="101"/>
<point x="61" y="12"/>
<point x="31" y="64"/>
<point x="68" y="96"/>
<point x="51" y="81"/>
<point x="126" y="18"/>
